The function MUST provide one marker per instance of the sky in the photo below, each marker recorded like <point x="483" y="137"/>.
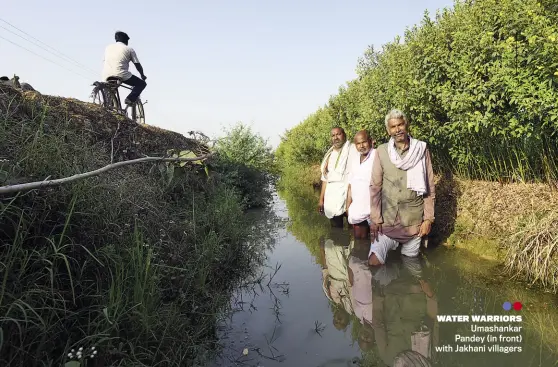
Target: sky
<point x="209" y="64"/>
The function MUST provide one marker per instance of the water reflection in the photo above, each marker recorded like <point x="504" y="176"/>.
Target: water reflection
<point x="334" y="252"/>
<point x="393" y="304"/>
<point x="338" y="311"/>
<point x="404" y="310"/>
<point x="360" y="280"/>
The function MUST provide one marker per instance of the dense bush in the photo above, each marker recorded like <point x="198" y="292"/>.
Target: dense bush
<point x="246" y="163"/>
<point x="479" y="83"/>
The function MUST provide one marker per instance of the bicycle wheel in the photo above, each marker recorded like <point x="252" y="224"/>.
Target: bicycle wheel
<point x="104" y="96"/>
<point x="138" y="113"/>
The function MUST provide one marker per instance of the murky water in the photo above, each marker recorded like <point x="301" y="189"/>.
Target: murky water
<point x="357" y="316"/>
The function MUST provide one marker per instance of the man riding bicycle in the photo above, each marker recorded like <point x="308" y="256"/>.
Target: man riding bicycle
<point x="117" y="59"/>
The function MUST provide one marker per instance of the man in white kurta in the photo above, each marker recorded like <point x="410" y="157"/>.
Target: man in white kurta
<point x="335" y="177"/>
<point x="358" y="195"/>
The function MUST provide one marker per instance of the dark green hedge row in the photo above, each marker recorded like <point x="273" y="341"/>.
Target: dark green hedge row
<point x="478" y="82"/>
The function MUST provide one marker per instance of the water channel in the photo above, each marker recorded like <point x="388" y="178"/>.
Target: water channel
<point x="367" y="317"/>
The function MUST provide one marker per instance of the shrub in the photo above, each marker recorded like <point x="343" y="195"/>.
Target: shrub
<point x="479" y="83"/>
<point x="246" y="162"/>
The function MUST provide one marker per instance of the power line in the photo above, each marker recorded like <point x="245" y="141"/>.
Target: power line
<point x="44" y="58"/>
<point x="60" y="54"/>
<point x="25" y="39"/>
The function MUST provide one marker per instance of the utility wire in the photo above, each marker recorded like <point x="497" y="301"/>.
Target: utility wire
<point x="36" y="44"/>
<point x="56" y="52"/>
<point x="44" y="58"/>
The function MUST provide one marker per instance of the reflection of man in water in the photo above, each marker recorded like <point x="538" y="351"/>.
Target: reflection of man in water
<point x="404" y="310"/>
<point x="360" y="280"/>
<point x="334" y="253"/>
<point x="410" y="358"/>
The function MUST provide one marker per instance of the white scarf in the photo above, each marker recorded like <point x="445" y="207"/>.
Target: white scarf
<point x="414" y="163"/>
<point x="336" y="173"/>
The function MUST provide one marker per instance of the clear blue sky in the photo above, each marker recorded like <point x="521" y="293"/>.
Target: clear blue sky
<point x="209" y="64"/>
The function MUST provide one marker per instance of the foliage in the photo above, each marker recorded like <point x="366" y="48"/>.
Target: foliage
<point x="241" y="145"/>
<point x="134" y="263"/>
<point x="478" y="82"/>
<point x="307" y="142"/>
<point x="246" y="162"/>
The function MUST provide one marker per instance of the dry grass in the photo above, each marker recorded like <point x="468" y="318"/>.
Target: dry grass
<point x="537" y="255"/>
<point x="497" y="210"/>
<point x="314" y="174"/>
<point x="101" y="126"/>
<point x="514" y="223"/>
<point x="301" y="177"/>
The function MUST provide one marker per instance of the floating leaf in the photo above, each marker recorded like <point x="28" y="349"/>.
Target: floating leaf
<point x="72" y="364"/>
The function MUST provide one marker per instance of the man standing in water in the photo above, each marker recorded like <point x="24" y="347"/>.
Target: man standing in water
<point x="358" y="195"/>
<point x="335" y="172"/>
<point x="402" y="192"/>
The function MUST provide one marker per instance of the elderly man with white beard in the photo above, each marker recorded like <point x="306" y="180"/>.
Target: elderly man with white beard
<point x="402" y="192"/>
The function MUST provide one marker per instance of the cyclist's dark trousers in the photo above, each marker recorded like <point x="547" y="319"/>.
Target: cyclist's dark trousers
<point x="137" y="84"/>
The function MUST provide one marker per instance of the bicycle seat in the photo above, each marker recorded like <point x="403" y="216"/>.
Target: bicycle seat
<point x="114" y="81"/>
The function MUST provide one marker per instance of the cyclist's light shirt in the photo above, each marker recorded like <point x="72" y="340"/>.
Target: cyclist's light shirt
<point x="117" y="61"/>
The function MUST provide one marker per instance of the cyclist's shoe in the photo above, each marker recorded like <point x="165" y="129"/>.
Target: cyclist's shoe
<point x="129" y="103"/>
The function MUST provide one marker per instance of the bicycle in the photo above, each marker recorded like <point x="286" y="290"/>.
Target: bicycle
<point x="106" y="94"/>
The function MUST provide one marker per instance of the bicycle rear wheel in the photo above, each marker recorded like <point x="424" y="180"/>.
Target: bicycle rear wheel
<point x="105" y="97"/>
<point x="138" y="113"/>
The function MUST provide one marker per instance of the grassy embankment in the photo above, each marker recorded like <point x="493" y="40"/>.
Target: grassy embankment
<point x="479" y="84"/>
<point x="137" y="262"/>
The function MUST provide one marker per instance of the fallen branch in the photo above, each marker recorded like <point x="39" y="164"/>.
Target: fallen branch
<point x="48" y="183"/>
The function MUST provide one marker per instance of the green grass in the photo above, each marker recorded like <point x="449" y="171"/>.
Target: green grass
<point x="504" y="161"/>
<point x="128" y="262"/>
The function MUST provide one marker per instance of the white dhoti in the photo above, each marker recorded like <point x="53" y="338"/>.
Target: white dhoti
<point x="335" y="172"/>
<point x="384" y="244"/>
